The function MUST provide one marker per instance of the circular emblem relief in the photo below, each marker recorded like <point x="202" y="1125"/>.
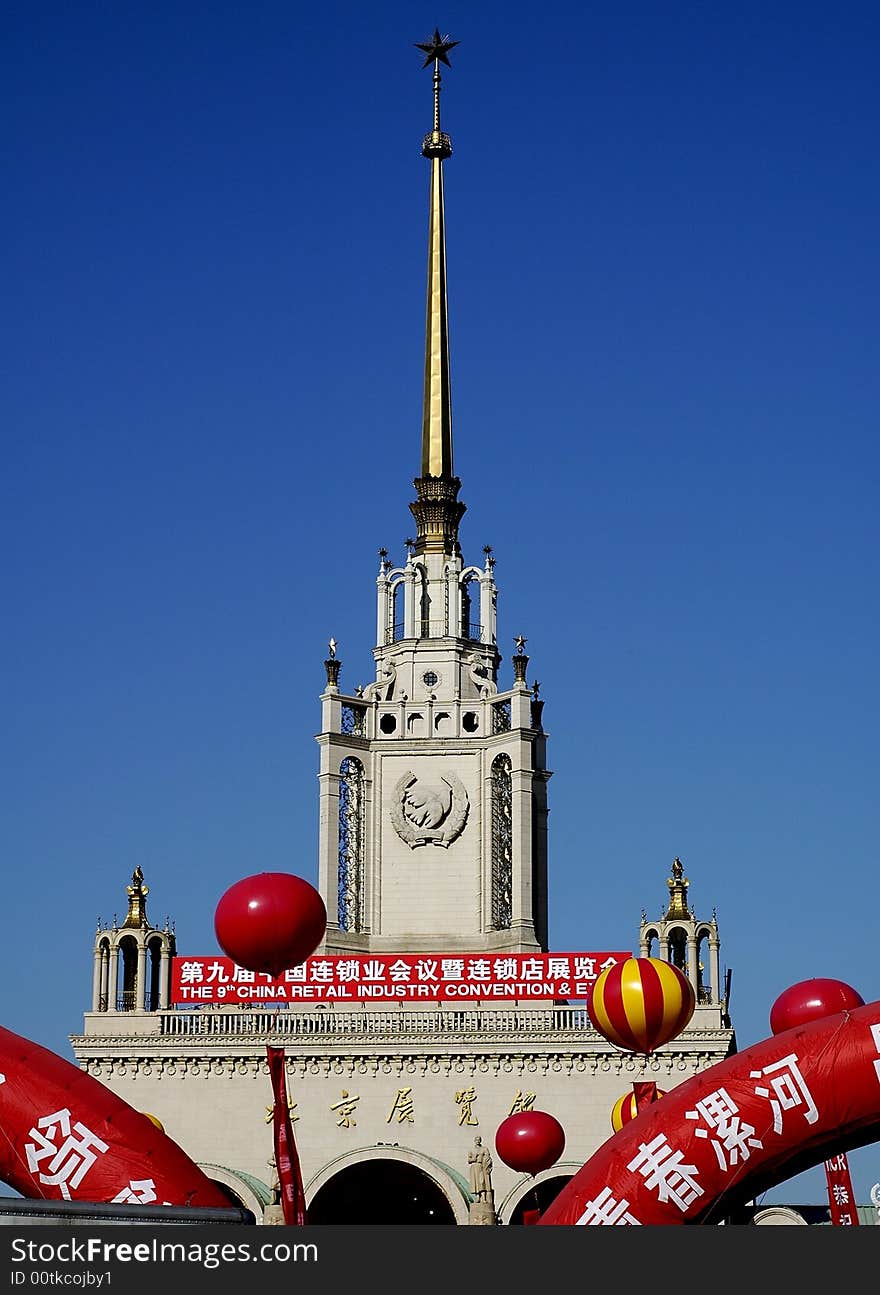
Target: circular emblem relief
<point x="424" y="814"/>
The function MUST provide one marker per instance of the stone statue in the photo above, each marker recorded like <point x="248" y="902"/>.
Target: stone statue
<point x="274" y="1181"/>
<point x="480" y="1171"/>
<point x="273" y="1212"/>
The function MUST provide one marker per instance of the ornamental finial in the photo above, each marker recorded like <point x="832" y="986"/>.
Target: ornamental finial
<point x="437" y="144"/>
<point x="436" y="49"/>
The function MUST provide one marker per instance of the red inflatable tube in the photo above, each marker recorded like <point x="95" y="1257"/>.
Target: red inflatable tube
<point x="732" y="1131"/>
<point x="64" y="1136"/>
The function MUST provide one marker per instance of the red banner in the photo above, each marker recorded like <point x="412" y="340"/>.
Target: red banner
<point x="840" y="1192"/>
<point x="293" y="1197"/>
<point x="645" y="1093"/>
<point x="712" y="1141"/>
<point x="423" y="977"/>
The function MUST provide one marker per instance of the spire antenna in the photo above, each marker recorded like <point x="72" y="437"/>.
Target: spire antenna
<point x="436" y="51"/>
<point x="437" y="509"/>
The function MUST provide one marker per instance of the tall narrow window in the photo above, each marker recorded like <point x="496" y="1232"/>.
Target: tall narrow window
<point x="395" y="631"/>
<point x="351" y="845"/>
<point x="127" y="975"/>
<point x="502" y="842"/>
<point x="425" y="611"/>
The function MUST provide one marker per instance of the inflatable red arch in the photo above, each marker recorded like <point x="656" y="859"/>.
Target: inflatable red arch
<point x="736" y="1129"/>
<point x="64" y="1136"/>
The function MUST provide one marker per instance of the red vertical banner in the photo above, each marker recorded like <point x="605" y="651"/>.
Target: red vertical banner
<point x="293" y="1197"/>
<point x="840" y="1192"/>
<point x="644" y="1093"/>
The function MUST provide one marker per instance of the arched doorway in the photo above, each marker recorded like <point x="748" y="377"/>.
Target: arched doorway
<point x="538" y="1197"/>
<point x="380" y="1191"/>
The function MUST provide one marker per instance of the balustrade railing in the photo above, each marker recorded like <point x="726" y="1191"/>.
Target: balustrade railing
<point x="257" y="1021"/>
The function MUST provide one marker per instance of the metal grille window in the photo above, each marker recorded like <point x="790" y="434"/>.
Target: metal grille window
<point x="350" y="906"/>
<point x="501" y="717"/>
<point x="354" y="720"/>
<point x="502" y="842"/>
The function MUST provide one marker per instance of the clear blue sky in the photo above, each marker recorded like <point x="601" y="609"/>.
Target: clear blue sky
<point x="664" y="276"/>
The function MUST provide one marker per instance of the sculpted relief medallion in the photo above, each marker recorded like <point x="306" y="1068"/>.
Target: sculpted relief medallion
<point x="424" y="813"/>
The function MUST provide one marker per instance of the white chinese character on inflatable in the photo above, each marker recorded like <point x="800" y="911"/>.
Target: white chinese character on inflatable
<point x="606" y="1212"/>
<point x="787" y="1090"/>
<point x="140" y="1191"/>
<point x="875" y="1035"/>
<point x="69" y="1160"/>
<point x="662" y="1169"/>
<point x="734" y="1138"/>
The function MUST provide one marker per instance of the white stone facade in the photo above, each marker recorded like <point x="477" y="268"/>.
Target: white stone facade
<point x="414" y="1085"/>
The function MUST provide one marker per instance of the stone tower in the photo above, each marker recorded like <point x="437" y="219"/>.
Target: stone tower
<point x="432" y="793"/>
<point x="433" y="779"/>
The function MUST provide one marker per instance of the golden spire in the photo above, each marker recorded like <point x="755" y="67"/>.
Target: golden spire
<point x="137" y="901"/>
<point x="678" y="888"/>
<point x="437" y="510"/>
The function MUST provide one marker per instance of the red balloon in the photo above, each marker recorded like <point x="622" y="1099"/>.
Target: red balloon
<point x="270" y="921"/>
<point x="641" y="1003"/>
<point x="530" y="1141"/>
<point x="809" y="1000"/>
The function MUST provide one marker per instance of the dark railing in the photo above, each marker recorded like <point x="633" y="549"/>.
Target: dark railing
<point x="428" y="629"/>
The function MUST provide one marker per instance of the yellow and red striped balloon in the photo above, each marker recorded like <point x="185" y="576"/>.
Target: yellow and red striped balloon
<point x="625" y="1109"/>
<point x="641" y="1003"/>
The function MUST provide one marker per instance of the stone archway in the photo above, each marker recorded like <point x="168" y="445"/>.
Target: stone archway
<point x="243" y="1189"/>
<point x="394" y="1185"/>
<point x="536" y="1192"/>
